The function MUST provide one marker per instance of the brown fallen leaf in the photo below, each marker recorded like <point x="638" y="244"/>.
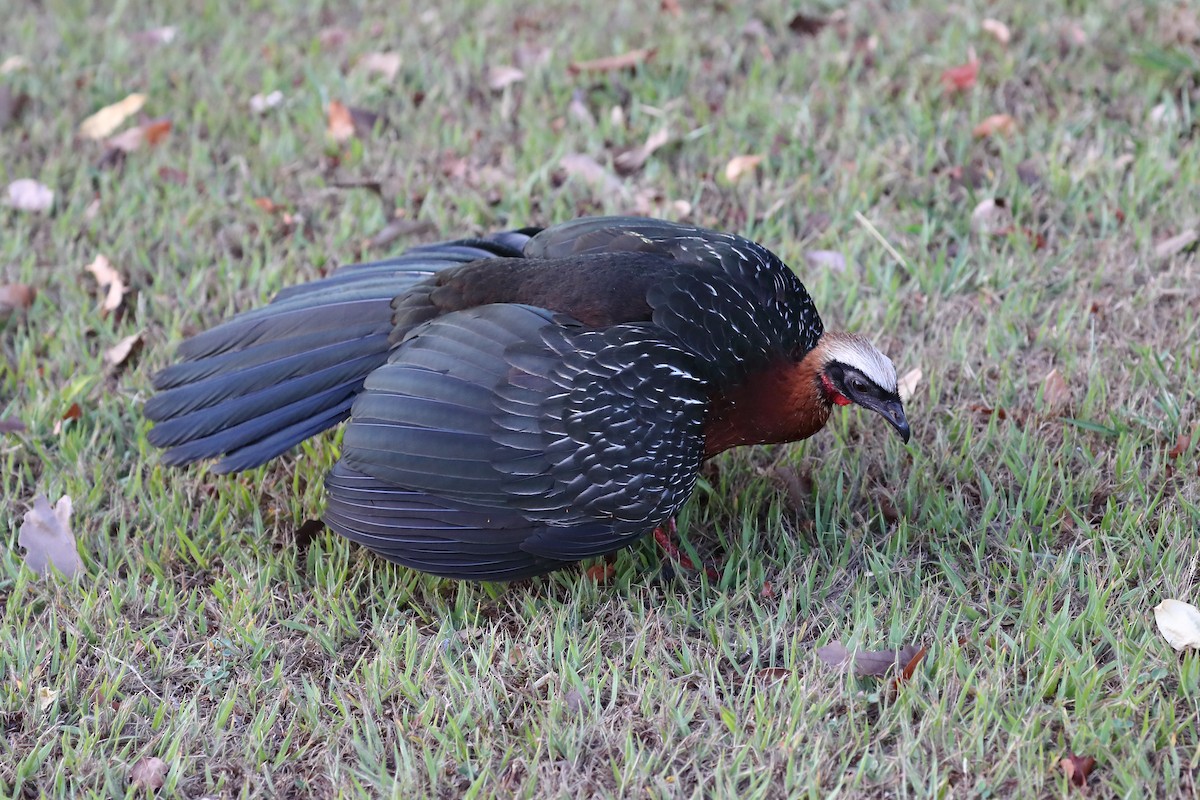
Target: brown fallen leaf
<point x="105" y="121"/>
<point x="590" y="171"/>
<point x="1077" y="768"/>
<point x="46" y="536"/>
<point x="1056" y="395"/>
<point x="384" y="64"/>
<point x="997" y="29"/>
<point x="500" y="77"/>
<point x="1182" y="443"/>
<point x="988" y="411"/>
<point x="869" y="663"/>
<point x="1176" y="244"/>
<point x="73" y="413"/>
<point x="15" y="297"/>
<point x="995" y="125"/>
<point x="772" y="674"/>
<point x="341" y="124"/>
<point x="111" y="284"/>
<point x="631" y="161"/>
<point x="805" y="25"/>
<point x="149" y="133"/>
<point x="615" y="63"/>
<point x="26" y="194"/>
<point x="12" y="105"/>
<point x="910" y="668"/>
<point x="119" y="353"/>
<point x="148" y="773"/>
<point x="740" y="166"/>
<point x="11" y="425"/>
<point x="602" y="573"/>
<point x="960" y="78"/>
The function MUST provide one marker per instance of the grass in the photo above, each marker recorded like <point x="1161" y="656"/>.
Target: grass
<point x="1024" y="549"/>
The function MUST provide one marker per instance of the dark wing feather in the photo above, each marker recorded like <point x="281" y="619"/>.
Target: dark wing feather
<point x="588" y="438"/>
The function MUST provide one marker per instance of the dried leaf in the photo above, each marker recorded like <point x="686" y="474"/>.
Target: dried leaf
<point x="910" y="668"/>
<point x="341" y="124"/>
<point x="119" y="353"/>
<point x="12" y="105"/>
<point x="1179" y="623"/>
<point x="261" y="103"/>
<point x="602" y="573"/>
<point x="579" y="111"/>
<point x="772" y="674"/>
<point x="907" y="385"/>
<point x="13" y="63"/>
<point x="26" y="194"/>
<point x="998" y="30"/>
<point x="1182" y="442"/>
<point x="45" y="697"/>
<point x="397" y="227"/>
<point x="15" y="297"/>
<point x="111" y="284"/>
<point x="385" y="64"/>
<point x="826" y="259"/>
<point x="632" y="160"/>
<point x="628" y="60"/>
<point x="960" y="78"/>
<point x="590" y="171"/>
<point x="992" y="217"/>
<point x="1072" y="35"/>
<point x="1056" y="395"/>
<point x="102" y="124"/>
<point x="148" y="773"/>
<point x="874" y="663"/>
<point x="9" y="425"/>
<point x="150" y="133"/>
<point x="156" y="36"/>
<point x="805" y="25"/>
<point x="996" y="124"/>
<point x="740" y="166"/>
<point x="988" y="411"/>
<point x="1077" y="768"/>
<point x="46" y="536"/>
<point x="501" y="77"/>
<point x="1176" y="244"/>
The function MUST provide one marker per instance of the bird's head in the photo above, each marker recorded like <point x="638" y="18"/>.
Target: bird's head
<point x="852" y="370"/>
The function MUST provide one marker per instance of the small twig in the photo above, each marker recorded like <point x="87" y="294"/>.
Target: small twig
<point x="893" y="252"/>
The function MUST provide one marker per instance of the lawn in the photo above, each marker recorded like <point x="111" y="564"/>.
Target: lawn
<point x="1038" y="275"/>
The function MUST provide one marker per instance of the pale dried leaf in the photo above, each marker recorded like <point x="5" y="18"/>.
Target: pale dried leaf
<point x="108" y="119"/>
<point x="992" y="217"/>
<point x="1164" y="115"/>
<point x="590" y="171"/>
<point x="1056" y="394"/>
<point x="867" y="663"/>
<point x="385" y="64"/>
<point x="111" y="283"/>
<point x="341" y="123"/>
<point x="13" y="63"/>
<point x="46" y="536"/>
<point x="261" y="103"/>
<point x="907" y="385"/>
<point x="612" y="63"/>
<point x="150" y="133"/>
<point x="740" y="166"/>
<point x="156" y="36"/>
<point x="148" y="773"/>
<point x="998" y="30"/>
<point x="995" y="125"/>
<point x="26" y="194"/>
<point x="631" y="161"/>
<point x="831" y="260"/>
<point x="579" y="111"/>
<point x="1179" y="623"/>
<point x="1176" y="244"/>
<point x="501" y="77"/>
<point x="45" y="697"/>
<point x="117" y="355"/>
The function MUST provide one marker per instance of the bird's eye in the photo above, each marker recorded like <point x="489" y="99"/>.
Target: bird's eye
<point x="857" y="385"/>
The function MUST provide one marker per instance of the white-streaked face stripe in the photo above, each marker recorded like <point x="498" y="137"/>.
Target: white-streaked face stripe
<point x="854" y="351"/>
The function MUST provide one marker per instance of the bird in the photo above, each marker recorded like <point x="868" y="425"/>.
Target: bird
<point x="522" y="400"/>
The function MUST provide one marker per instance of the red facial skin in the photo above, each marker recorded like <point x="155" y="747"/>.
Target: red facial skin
<point x="834" y="395"/>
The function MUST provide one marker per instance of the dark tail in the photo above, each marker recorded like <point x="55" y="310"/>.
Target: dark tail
<point x="266" y="380"/>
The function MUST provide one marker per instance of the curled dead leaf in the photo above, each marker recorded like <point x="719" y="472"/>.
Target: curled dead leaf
<point x="340" y="125"/>
<point x="46" y="536"/>
<point x="615" y="63"/>
<point x="26" y="194"/>
<point x="997" y="29"/>
<point x="15" y="297"/>
<point x="149" y="133"/>
<point x="112" y="285"/>
<point x="1179" y="623"/>
<point x="13" y="64"/>
<point x="384" y="64"/>
<point x="740" y="166"/>
<point x="992" y="217"/>
<point x="995" y="125"/>
<point x="105" y="121"/>
<point x="870" y="663"/>
<point x="1077" y="768"/>
<point x="45" y="697"/>
<point x="148" y="773"/>
<point x="1056" y="395"/>
<point x="119" y="353"/>
<point x="631" y="161"/>
<point x="500" y="77"/>
<point x="907" y="385"/>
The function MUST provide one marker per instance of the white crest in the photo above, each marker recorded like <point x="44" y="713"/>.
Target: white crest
<point x="855" y="351"/>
